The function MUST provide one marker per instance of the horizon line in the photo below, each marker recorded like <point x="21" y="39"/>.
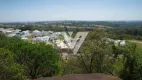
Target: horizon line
<point x="61" y="20"/>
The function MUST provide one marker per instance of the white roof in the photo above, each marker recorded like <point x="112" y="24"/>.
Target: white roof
<point x="1" y="29"/>
<point x="8" y="31"/>
<point x="36" y="31"/>
<point x="11" y="35"/>
<point x="122" y="43"/>
<point x="24" y="38"/>
<point x="27" y="31"/>
<point x="61" y="44"/>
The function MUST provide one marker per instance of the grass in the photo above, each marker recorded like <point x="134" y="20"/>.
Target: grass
<point x="138" y="43"/>
<point x="139" y="46"/>
<point x="30" y="37"/>
<point x="61" y="38"/>
<point x="139" y="51"/>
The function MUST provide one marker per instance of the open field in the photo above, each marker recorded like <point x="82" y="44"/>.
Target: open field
<point x="138" y="49"/>
<point x="139" y="43"/>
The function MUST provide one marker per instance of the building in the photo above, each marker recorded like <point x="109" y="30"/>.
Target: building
<point x="36" y="33"/>
<point x="26" y="33"/>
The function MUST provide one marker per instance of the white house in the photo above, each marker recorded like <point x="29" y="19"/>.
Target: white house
<point x="46" y="38"/>
<point x="16" y="31"/>
<point x="53" y="36"/>
<point x="61" y="44"/>
<point x="11" y="35"/>
<point x="26" y="33"/>
<point x="41" y="39"/>
<point x="116" y="42"/>
<point x="123" y="43"/>
<point x="24" y="38"/>
<point x="36" y="33"/>
<point x="50" y="32"/>
<point x="2" y="29"/>
<point x="45" y="33"/>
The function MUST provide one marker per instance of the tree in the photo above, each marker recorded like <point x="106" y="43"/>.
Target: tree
<point x="95" y="56"/>
<point x="39" y="59"/>
<point x="131" y="69"/>
<point x="4" y="40"/>
<point x="9" y="69"/>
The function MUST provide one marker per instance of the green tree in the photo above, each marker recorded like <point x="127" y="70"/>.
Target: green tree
<point x="4" y="40"/>
<point x="127" y="56"/>
<point x="9" y="69"/>
<point x="39" y="59"/>
<point x="95" y="56"/>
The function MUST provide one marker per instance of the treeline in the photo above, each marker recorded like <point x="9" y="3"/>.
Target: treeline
<point x="126" y="33"/>
<point x="117" y="24"/>
<point x="126" y="24"/>
<point x="54" y="28"/>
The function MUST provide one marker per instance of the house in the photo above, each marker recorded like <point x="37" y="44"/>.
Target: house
<point x="11" y="35"/>
<point x="122" y="43"/>
<point x="58" y="33"/>
<point x="61" y="44"/>
<point x="9" y="30"/>
<point x="24" y="38"/>
<point x="17" y="31"/>
<point x="53" y="36"/>
<point x="2" y="29"/>
<point x="116" y="42"/>
<point x="50" y="32"/>
<point x="46" y="38"/>
<point x="38" y="39"/>
<point x="45" y="33"/>
<point x="26" y="33"/>
<point x="36" y="33"/>
<point x="41" y="39"/>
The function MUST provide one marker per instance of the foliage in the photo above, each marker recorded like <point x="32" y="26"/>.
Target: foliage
<point x="39" y="59"/>
<point x="126" y="33"/>
<point x="94" y="57"/>
<point x="97" y="56"/>
<point x="4" y="40"/>
<point x="9" y="69"/>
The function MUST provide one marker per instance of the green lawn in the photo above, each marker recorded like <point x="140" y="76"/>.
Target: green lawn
<point x="61" y="38"/>
<point x="138" y="43"/>
<point x="139" y="51"/>
<point x="30" y="37"/>
<point x="139" y="46"/>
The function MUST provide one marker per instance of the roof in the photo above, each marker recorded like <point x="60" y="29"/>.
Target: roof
<point x="11" y="35"/>
<point x="36" y="31"/>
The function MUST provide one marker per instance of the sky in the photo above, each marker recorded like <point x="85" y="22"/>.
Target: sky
<point x="54" y="10"/>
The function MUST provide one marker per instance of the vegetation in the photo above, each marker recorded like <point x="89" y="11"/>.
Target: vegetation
<point x="34" y="60"/>
<point x="21" y="60"/>
<point x="98" y="57"/>
<point x="9" y="69"/>
<point x="126" y="33"/>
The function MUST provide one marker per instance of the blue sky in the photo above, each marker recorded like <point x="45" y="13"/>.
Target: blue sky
<point x="48" y="10"/>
